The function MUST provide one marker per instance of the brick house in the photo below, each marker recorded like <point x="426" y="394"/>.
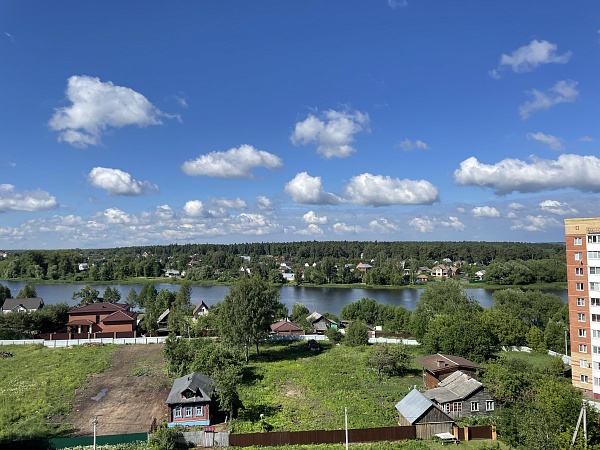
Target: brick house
<point x="438" y="367"/>
<point x="98" y="320"/>
<point x="190" y="401"/>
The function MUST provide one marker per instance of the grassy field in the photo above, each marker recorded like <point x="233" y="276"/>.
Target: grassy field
<point x="39" y="383"/>
<point x="297" y="389"/>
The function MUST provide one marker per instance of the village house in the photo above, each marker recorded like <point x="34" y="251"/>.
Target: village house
<point x="22" y="305"/>
<point x="363" y="267"/>
<point x="286" y="328"/>
<point x="190" y="401"/>
<point x="97" y="320"/>
<point x="201" y="309"/>
<point x="438" y="367"/>
<point x="428" y="418"/>
<point x="320" y="323"/>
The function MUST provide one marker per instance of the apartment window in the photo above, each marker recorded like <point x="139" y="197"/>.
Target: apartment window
<point x="579" y="286"/>
<point x="199" y="411"/>
<point x="584" y="363"/>
<point x="578" y="270"/>
<point x="596" y="349"/>
<point x="579" y="256"/>
<point x="581" y="332"/>
<point x="595" y="301"/>
<point x="594" y="255"/>
<point x="596" y="333"/>
<point x="596" y="365"/>
<point x="594" y="286"/>
<point x="593" y="238"/>
<point x="188" y="411"/>
<point x="594" y="270"/>
<point x="596" y="381"/>
<point x="474" y="406"/>
<point x="581" y="301"/>
<point x="583" y="378"/>
<point x="577" y="241"/>
<point x="177" y="412"/>
<point x="489" y="405"/>
<point x="595" y="317"/>
<point x="582" y="348"/>
<point x="581" y="317"/>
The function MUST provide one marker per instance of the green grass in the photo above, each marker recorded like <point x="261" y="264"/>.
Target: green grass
<point x="538" y="360"/>
<point x="299" y="390"/>
<point x="38" y="384"/>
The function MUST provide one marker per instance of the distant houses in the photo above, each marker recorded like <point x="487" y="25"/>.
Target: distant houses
<point x="22" y="305"/>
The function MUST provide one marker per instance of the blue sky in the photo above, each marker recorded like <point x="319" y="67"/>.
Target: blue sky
<point x="145" y="122"/>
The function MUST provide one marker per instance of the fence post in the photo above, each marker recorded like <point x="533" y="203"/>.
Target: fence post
<point x="466" y="428"/>
<point x="455" y="431"/>
<point x="494" y="433"/>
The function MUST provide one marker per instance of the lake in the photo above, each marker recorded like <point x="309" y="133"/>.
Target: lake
<point x="321" y="299"/>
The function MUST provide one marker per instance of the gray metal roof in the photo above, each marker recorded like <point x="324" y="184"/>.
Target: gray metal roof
<point x="414" y="405"/>
<point x="200" y="386"/>
<point x="457" y="386"/>
<point x="27" y="303"/>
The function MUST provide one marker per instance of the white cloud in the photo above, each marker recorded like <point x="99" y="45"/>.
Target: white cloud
<point x="115" y="215"/>
<point x="333" y="135"/>
<point x="96" y="107"/>
<point x="383" y="225"/>
<point x="193" y="208"/>
<point x="485" y="211"/>
<point x="308" y="190"/>
<point x="233" y="163"/>
<point x="342" y="228"/>
<point x="561" y="92"/>
<point x="516" y="206"/>
<point x="412" y="145"/>
<point x="529" y="57"/>
<point x="265" y="204"/>
<point x="164" y="212"/>
<point x="556" y="207"/>
<point x="586" y="139"/>
<point x="311" y="217"/>
<point x="552" y="141"/>
<point x="117" y="182"/>
<point x="256" y="224"/>
<point x="510" y="175"/>
<point x="428" y="225"/>
<point x="311" y="230"/>
<point x="535" y="223"/>
<point x="38" y="200"/>
<point x="229" y="203"/>
<point x="377" y="190"/>
<point x="397" y="3"/>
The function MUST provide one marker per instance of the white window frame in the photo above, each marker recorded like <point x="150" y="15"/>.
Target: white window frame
<point x="199" y="410"/>
<point x="594" y="270"/>
<point x="457" y="406"/>
<point x="582" y="332"/>
<point x="579" y="271"/>
<point x="177" y="412"/>
<point x="580" y="301"/>
<point x="594" y="301"/>
<point x="595" y="317"/>
<point x="578" y="256"/>
<point x="583" y="363"/>
<point x="188" y="411"/>
<point x="580" y="317"/>
<point x="593" y="238"/>
<point x="584" y="379"/>
<point x="474" y="406"/>
<point x="594" y="286"/>
<point x="595" y="365"/>
<point x="489" y="405"/>
<point x="579" y="287"/>
<point x="582" y="348"/>
<point x="596" y="349"/>
<point x="577" y="241"/>
<point x="596" y="381"/>
<point x="593" y="254"/>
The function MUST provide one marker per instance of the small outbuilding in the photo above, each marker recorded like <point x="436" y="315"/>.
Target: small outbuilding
<point x="428" y="418"/>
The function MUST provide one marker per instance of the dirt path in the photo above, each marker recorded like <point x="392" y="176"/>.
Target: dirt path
<point x="126" y="396"/>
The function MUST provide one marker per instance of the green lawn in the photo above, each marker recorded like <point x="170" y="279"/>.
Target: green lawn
<point x="297" y="390"/>
<point x="38" y="384"/>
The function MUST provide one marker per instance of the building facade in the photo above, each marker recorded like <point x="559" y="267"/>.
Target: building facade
<point x="583" y="277"/>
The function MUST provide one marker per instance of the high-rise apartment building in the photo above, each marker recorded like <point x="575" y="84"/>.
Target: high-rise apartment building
<point x="583" y="277"/>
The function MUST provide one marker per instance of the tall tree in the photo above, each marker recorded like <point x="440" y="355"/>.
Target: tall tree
<point x="180" y="311"/>
<point x="246" y="313"/>
<point x="111" y="295"/>
<point x="28" y="291"/>
<point x="4" y="294"/>
<point x="86" y="295"/>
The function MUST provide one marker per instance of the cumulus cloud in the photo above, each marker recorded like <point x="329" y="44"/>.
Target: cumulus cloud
<point x="308" y="190"/>
<point x="535" y="223"/>
<point x="117" y="182"/>
<point x="383" y="225"/>
<point x="428" y="225"/>
<point x="311" y="230"/>
<point x="552" y="141"/>
<point x="516" y="206"/>
<point x="412" y="145"/>
<point x="12" y="200"/>
<point x="561" y="92"/>
<point x="193" y="208"/>
<point x="556" y="207"/>
<point x="510" y="175"/>
<point x="311" y="217"/>
<point x="96" y="107"/>
<point x="333" y="133"/>
<point x="265" y="204"/>
<point x="256" y="224"/>
<point x="485" y="211"/>
<point x="532" y="55"/>
<point x="377" y="190"/>
<point x="229" y="203"/>
<point x="233" y="163"/>
<point x="343" y="228"/>
<point x="115" y="215"/>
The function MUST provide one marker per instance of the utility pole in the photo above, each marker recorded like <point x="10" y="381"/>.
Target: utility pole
<point x="95" y="422"/>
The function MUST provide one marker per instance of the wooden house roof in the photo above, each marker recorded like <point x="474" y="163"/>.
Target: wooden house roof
<point x="457" y="386"/>
<point x="192" y="388"/>
<point x="442" y="363"/>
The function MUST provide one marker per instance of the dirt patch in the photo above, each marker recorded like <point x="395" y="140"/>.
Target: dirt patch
<point x="125" y="397"/>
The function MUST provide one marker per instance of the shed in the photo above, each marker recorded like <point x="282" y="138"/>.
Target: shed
<point x="417" y="410"/>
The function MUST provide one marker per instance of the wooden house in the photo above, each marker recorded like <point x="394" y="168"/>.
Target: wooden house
<point x="201" y="309"/>
<point x="190" y="401"/>
<point x="427" y="418"/>
<point x="22" y="305"/>
<point x="320" y="323"/>
<point x="437" y="367"/>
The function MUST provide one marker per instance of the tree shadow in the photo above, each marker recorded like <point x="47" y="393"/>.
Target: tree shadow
<point x="284" y="350"/>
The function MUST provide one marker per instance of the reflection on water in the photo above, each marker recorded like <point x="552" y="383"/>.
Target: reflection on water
<point x="320" y="299"/>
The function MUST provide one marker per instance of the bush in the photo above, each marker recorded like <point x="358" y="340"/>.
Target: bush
<point x="164" y="438"/>
<point x="356" y="334"/>
<point x="334" y="335"/>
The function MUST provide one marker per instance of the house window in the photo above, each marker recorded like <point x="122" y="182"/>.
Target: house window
<point x="577" y="241"/>
<point x="474" y="406"/>
<point x="177" y="412"/>
<point x="581" y="317"/>
<point x="583" y="378"/>
<point x="582" y="348"/>
<point x="489" y="405"/>
<point x="583" y="363"/>
<point x="199" y="411"/>
<point x="581" y="301"/>
<point x="188" y="411"/>
<point x="579" y="271"/>
<point x="579" y="286"/>
<point x="595" y="286"/>
<point x="581" y="332"/>
<point x="579" y="256"/>
<point x="446" y="407"/>
<point x="594" y="255"/>
<point x="457" y="407"/>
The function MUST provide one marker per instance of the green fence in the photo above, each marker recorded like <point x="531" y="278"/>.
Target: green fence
<point x="59" y="443"/>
